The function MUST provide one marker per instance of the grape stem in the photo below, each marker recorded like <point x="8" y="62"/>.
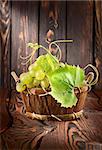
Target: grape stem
<point x="55" y="43"/>
<point x="14" y="75"/>
<point x="29" y="57"/>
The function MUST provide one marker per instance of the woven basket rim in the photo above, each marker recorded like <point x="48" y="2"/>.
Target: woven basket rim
<point x="37" y="91"/>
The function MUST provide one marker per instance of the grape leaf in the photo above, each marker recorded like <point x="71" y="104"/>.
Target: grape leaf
<point x="62" y="83"/>
<point x="77" y="74"/>
<point x="52" y="61"/>
<point x="47" y="62"/>
<point x="43" y="63"/>
<point x="80" y="76"/>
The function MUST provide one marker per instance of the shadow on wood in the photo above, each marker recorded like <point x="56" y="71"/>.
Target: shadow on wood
<point x="5" y="118"/>
<point x="24" y="133"/>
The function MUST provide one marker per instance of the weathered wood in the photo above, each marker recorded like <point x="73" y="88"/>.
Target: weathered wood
<point x="30" y="24"/>
<point x="46" y="22"/>
<point x="5" y="28"/>
<point x="48" y="106"/>
<point x="24" y="133"/>
<point x="98" y="40"/>
<point x="84" y="133"/>
<point x="24" y="30"/>
<point x="94" y="103"/>
<point x="80" y="28"/>
<point x="81" y="134"/>
<point x="5" y="118"/>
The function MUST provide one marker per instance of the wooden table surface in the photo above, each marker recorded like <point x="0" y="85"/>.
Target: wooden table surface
<point x="81" y="134"/>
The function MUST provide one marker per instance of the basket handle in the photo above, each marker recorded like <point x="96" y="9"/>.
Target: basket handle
<point x="92" y="77"/>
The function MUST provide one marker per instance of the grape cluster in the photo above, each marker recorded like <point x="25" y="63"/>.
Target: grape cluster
<point x="35" y="77"/>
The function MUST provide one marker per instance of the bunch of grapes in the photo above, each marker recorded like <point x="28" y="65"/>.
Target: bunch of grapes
<point x="34" y="78"/>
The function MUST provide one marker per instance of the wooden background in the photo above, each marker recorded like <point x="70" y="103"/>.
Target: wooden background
<point x="27" y="21"/>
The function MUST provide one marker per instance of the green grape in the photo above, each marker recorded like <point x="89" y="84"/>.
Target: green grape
<point x="26" y="78"/>
<point x="36" y="83"/>
<point x="20" y="87"/>
<point x="45" y="83"/>
<point x="32" y="73"/>
<point x="31" y="67"/>
<point x="39" y="75"/>
<point x="43" y="63"/>
<point x="34" y="66"/>
<point x="30" y="85"/>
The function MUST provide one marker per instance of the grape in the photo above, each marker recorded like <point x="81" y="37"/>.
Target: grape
<point x="31" y="67"/>
<point x="20" y="87"/>
<point x="36" y="83"/>
<point x="35" y="66"/>
<point x="30" y="85"/>
<point x="32" y="73"/>
<point x="26" y="78"/>
<point x="45" y="83"/>
<point x="39" y="75"/>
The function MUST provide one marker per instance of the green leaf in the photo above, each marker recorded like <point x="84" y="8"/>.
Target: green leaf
<point x="77" y="74"/>
<point x="80" y="76"/>
<point x="63" y="81"/>
<point x="52" y="61"/>
<point x="47" y="62"/>
<point x="43" y="63"/>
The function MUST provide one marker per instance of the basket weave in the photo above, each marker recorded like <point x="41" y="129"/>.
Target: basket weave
<point x="48" y="106"/>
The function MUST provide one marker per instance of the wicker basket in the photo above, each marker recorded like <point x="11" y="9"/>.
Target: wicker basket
<point x="47" y="106"/>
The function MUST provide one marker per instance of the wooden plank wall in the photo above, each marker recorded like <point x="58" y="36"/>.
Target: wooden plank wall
<point x="80" y="21"/>
<point x="80" y="29"/>
<point x="5" y="27"/>
<point x="98" y="39"/>
<point x="24" y="30"/>
<point x="77" y="20"/>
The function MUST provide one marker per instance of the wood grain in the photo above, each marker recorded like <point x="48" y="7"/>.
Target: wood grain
<point x="81" y="134"/>
<point x="29" y="24"/>
<point x="24" y="133"/>
<point x="98" y="40"/>
<point x="5" y="118"/>
<point x="47" y="23"/>
<point x="80" y="28"/>
<point x="5" y="27"/>
<point x="47" y="105"/>
<point x="24" y="30"/>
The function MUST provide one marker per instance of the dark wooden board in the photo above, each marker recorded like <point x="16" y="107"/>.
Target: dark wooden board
<point x="5" y="119"/>
<point x="80" y="21"/>
<point x="98" y="40"/>
<point x="77" y="20"/>
<point x="24" y="30"/>
<point x="75" y="135"/>
<point x="80" y="29"/>
<point x="24" y="133"/>
<point x="81" y="134"/>
<point x="45" y="25"/>
<point x="5" y="27"/>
